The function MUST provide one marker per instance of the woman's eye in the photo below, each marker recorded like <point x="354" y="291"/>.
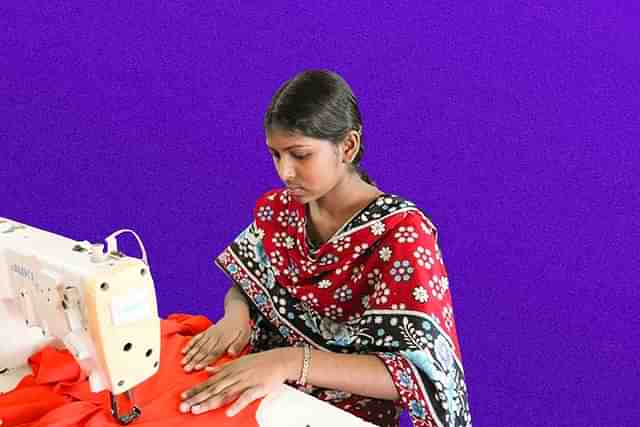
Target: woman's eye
<point x="297" y="156"/>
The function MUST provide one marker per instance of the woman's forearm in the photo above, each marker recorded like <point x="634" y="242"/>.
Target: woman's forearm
<point x="361" y="374"/>
<point x="235" y="304"/>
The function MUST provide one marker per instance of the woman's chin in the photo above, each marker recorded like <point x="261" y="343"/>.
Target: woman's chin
<point x="299" y="194"/>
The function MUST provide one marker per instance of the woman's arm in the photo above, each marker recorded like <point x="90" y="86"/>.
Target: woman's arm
<point x="365" y="375"/>
<point x="235" y="304"/>
<point x="361" y="374"/>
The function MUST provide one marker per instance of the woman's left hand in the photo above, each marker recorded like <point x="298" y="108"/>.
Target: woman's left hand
<point x="247" y="378"/>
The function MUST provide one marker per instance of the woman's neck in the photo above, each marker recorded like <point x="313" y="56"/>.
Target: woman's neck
<point x="342" y="201"/>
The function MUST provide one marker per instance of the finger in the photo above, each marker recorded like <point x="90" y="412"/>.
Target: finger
<point x="211" y="358"/>
<point x="213" y="369"/>
<point x="248" y="396"/>
<point x="187" y="394"/>
<point x="205" y="358"/>
<point x="215" y="351"/>
<point x="223" y="398"/>
<point x="194" y="349"/>
<point x="215" y="402"/>
<point x="192" y="342"/>
<point x="193" y="391"/>
<point x="203" y="396"/>
<point x="223" y="380"/>
<point x="240" y="342"/>
<point x="201" y="353"/>
<point x="214" y="387"/>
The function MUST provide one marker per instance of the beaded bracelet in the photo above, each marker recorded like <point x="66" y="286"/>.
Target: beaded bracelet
<point x="305" y="366"/>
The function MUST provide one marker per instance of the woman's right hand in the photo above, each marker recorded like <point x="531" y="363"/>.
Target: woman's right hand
<point x="230" y="334"/>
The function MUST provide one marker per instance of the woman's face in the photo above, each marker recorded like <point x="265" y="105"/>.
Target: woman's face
<point x="309" y="167"/>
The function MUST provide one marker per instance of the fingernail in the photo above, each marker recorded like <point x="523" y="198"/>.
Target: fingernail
<point x="184" y="407"/>
<point x="230" y="413"/>
<point x="195" y="409"/>
<point x="187" y="368"/>
<point x="198" y="366"/>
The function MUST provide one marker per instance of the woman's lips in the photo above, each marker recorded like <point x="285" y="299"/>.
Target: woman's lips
<point x="296" y="191"/>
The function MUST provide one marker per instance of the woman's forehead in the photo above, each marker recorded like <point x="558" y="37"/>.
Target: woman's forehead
<point x="285" y="140"/>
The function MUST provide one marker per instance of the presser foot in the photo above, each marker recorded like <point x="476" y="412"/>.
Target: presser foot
<point x="128" y="418"/>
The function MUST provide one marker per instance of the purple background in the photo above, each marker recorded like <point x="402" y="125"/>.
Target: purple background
<point x="515" y="128"/>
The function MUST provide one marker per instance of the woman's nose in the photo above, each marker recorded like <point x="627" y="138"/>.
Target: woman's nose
<point x="287" y="171"/>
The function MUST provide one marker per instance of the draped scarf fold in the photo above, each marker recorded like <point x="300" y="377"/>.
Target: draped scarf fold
<point x="379" y="286"/>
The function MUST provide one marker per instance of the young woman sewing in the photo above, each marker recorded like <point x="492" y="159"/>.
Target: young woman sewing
<point x="339" y="288"/>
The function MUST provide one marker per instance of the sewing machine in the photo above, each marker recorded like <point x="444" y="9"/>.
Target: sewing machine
<point x="100" y="305"/>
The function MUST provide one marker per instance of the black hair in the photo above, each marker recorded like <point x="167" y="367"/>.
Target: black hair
<point x="317" y="104"/>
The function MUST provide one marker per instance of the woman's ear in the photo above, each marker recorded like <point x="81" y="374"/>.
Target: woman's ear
<point x="350" y="146"/>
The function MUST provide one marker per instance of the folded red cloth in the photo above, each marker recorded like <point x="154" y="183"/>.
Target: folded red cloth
<point x="57" y="394"/>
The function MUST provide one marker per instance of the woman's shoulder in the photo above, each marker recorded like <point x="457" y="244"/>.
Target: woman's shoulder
<point x="412" y="216"/>
<point x="271" y="201"/>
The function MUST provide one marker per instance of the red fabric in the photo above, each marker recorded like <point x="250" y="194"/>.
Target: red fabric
<point x="58" y="394"/>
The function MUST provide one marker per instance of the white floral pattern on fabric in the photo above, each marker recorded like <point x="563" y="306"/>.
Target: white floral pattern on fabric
<point x="342" y="243"/>
<point x="289" y="243"/>
<point x="343" y="268"/>
<point x="385" y="253"/>
<point x="328" y="259"/>
<point x="343" y="293"/>
<point x="406" y="235"/>
<point x="447" y="314"/>
<point x="356" y="274"/>
<point x="265" y="213"/>
<point x="381" y="293"/>
<point x="401" y="270"/>
<point x="421" y="294"/>
<point x="276" y="258"/>
<point x="310" y="299"/>
<point x="386" y="293"/>
<point x="439" y="286"/>
<point x="359" y="250"/>
<point x="308" y="266"/>
<point x="293" y="272"/>
<point x="285" y="197"/>
<point x="423" y="257"/>
<point x="374" y="277"/>
<point x="334" y="312"/>
<point x="378" y="228"/>
<point x="287" y="218"/>
<point x="279" y="239"/>
<point x="426" y="229"/>
<point x="324" y="284"/>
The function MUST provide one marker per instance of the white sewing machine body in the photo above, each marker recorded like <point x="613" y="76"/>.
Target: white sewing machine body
<point x="100" y="306"/>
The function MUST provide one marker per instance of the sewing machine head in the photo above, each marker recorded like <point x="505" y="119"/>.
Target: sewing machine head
<point x="100" y="306"/>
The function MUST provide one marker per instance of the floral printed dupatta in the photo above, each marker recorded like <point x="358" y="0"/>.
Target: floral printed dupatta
<point x="378" y="286"/>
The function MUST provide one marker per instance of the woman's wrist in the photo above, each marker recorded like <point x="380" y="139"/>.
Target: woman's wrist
<point x="236" y="305"/>
<point x="237" y="312"/>
<point x="293" y="359"/>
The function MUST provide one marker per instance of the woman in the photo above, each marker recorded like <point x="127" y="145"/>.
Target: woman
<point x="339" y="288"/>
